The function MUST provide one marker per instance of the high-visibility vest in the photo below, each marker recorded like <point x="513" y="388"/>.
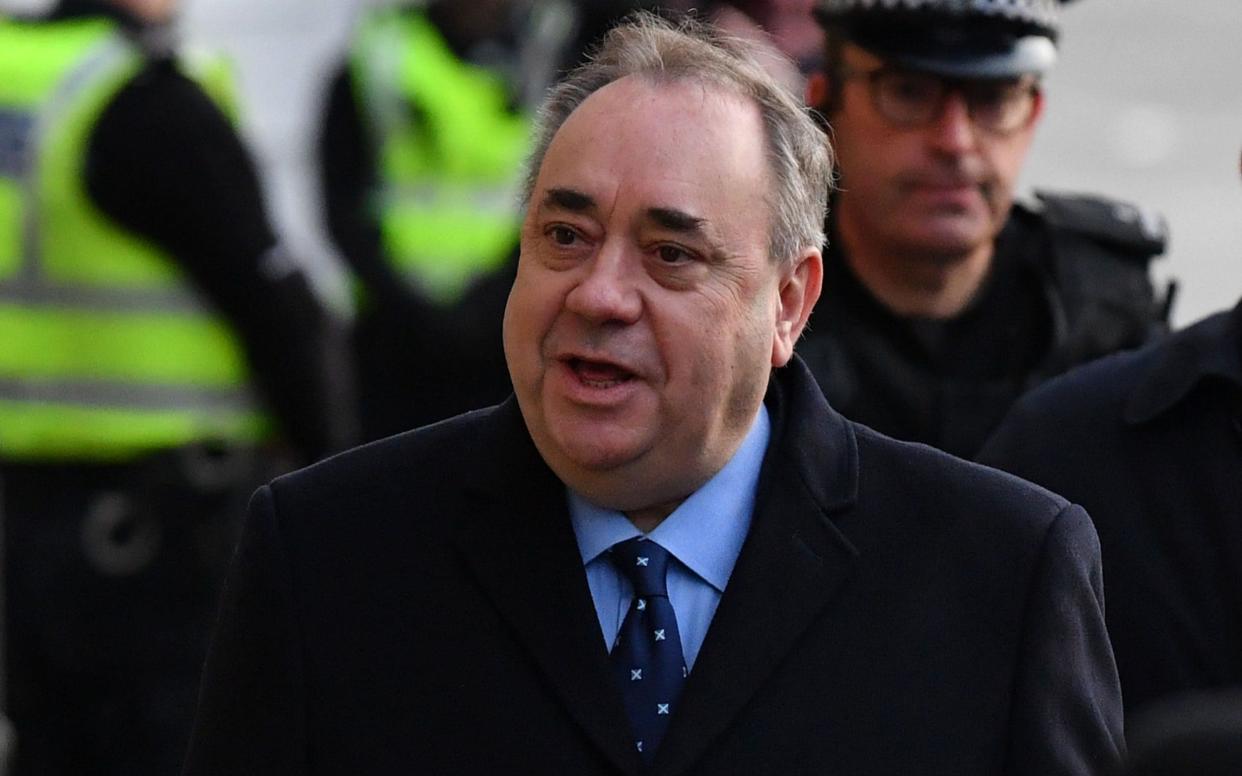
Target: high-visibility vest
<point x="450" y="153"/>
<point x="107" y="351"/>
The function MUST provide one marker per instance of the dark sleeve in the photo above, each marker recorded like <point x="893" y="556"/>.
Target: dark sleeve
<point x="251" y="710"/>
<point x="164" y="162"/>
<point x="348" y="170"/>
<point x="1066" y="709"/>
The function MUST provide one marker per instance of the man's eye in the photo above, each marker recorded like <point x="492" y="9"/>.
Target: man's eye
<point x="912" y="88"/>
<point x="993" y="98"/>
<point x="563" y="235"/>
<point x="671" y="254"/>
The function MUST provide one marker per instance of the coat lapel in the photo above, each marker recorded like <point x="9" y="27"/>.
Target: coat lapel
<point x="518" y="541"/>
<point x="793" y="563"/>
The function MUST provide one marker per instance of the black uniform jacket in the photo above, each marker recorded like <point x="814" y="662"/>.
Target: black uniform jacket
<point x="419" y="605"/>
<point x="1151" y="443"/>
<point x="1068" y="283"/>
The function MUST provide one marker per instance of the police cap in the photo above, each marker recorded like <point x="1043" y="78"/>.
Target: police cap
<point x="956" y="38"/>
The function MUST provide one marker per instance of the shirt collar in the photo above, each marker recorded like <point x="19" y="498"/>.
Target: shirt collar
<point x="1210" y="348"/>
<point x="706" y="532"/>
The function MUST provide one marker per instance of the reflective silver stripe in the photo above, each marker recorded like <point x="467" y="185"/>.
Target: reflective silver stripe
<point x="1039" y="11"/>
<point x="552" y="24"/>
<point x="33" y="292"/>
<point x="16" y="128"/>
<point x="115" y="395"/>
<point x="97" y="64"/>
<point x="497" y="201"/>
<point x="382" y="62"/>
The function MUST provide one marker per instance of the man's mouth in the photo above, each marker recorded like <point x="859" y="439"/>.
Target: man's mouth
<point x="945" y="183"/>
<point x="598" y="374"/>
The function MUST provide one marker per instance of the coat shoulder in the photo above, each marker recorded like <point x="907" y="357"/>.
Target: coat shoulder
<point x="1129" y="230"/>
<point x="1103" y="392"/>
<point x="950" y="489"/>
<point x="422" y="460"/>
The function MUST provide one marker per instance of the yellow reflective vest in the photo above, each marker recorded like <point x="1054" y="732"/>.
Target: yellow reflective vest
<point x="450" y="152"/>
<point x="106" y="349"/>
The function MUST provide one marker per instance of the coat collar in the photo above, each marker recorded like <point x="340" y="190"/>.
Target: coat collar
<point x="518" y="541"/>
<point x="1211" y="348"/>
<point x="792" y="565"/>
<point x="515" y="536"/>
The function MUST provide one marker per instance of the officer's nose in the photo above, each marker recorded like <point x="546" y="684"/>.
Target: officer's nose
<point x="607" y="291"/>
<point x="953" y="131"/>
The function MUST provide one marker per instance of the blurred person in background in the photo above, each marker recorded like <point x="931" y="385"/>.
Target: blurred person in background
<point x="161" y="355"/>
<point x="421" y="152"/>
<point x="1151" y="444"/>
<point x="944" y="300"/>
<point x="785" y="30"/>
<point x="1199" y="734"/>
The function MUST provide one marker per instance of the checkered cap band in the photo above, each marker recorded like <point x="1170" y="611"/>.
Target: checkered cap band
<point x="1041" y="13"/>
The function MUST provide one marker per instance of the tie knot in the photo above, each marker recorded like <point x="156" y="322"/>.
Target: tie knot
<point x="644" y="563"/>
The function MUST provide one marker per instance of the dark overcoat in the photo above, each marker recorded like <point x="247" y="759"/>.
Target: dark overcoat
<point x="1150" y="443"/>
<point x="419" y="605"/>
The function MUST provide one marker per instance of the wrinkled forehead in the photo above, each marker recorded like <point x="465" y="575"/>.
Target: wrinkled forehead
<point x="711" y="103"/>
<point x="660" y="130"/>
<point x="639" y="145"/>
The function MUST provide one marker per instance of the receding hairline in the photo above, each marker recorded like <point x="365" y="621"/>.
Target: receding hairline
<point x="712" y="86"/>
<point x="726" y="98"/>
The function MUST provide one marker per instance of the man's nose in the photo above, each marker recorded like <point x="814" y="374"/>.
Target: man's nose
<point x="608" y="288"/>
<point x="953" y="131"/>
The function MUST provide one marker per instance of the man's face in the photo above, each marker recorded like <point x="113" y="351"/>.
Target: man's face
<point x="942" y="189"/>
<point x="150" y="11"/>
<point x="646" y="313"/>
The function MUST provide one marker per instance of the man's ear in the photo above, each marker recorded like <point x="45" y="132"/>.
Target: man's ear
<point x="800" y="284"/>
<point x="818" y="91"/>
<point x="1039" y="108"/>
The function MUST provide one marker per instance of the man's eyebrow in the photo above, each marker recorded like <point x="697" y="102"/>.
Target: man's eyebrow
<point x="693" y="226"/>
<point x="567" y="199"/>
<point x="677" y="220"/>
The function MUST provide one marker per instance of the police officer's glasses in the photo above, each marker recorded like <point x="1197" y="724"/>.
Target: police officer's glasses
<point x="912" y="99"/>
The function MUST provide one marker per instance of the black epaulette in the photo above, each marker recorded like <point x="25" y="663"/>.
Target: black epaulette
<point x="1131" y="229"/>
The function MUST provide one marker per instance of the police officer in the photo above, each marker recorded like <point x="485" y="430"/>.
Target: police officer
<point x="944" y="300"/>
<point x="160" y="355"/>
<point x="422" y="149"/>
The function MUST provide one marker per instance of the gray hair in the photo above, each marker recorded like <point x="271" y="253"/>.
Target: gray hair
<point x="646" y="45"/>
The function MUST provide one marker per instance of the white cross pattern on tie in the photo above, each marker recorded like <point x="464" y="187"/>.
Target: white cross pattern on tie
<point x="648" y="651"/>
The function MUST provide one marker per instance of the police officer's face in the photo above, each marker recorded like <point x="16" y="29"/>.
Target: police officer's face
<point x="646" y="314"/>
<point x="941" y="189"/>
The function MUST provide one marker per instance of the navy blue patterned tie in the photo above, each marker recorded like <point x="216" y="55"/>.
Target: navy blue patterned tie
<point x="647" y="654"/>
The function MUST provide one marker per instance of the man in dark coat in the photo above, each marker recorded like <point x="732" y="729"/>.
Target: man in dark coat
<point x="1151" y="444"/>
<point x="944" y="300"/>
<point x="666" y="553"/>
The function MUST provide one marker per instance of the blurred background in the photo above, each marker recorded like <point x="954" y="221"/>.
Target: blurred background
<point x="1145" y="106"/>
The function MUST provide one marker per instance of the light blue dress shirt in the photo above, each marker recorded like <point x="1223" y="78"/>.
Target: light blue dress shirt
<point x="704" y="536"/>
